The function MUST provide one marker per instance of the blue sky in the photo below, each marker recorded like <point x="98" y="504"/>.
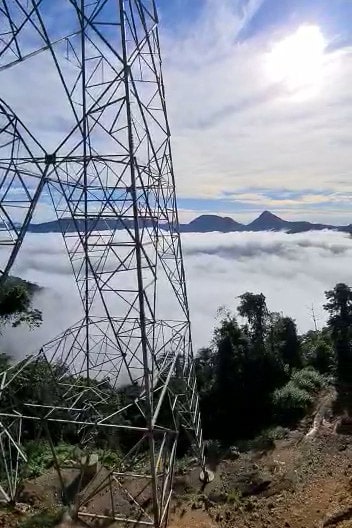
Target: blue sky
<point x="243" y="142"/>
<point x="332" y="16"/>
<point x="244" y="139"/>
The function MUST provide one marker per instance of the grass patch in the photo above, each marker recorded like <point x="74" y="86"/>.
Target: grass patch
<point x="265" y="440"/>
<point x="234" y="496"/>
<point x="110" y="459"/>
<point x="184" y="464"/>
<point x="40" y="457"/>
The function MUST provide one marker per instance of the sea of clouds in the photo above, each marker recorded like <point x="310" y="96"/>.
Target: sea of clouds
<point x="292" y="271"/>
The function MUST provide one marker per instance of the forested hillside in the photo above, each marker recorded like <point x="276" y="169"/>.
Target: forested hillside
<point x="257" y="380"/>
<point x="259" y="372"/>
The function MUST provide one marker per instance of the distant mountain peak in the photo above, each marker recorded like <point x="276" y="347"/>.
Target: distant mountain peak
<point x="216" y="218"/>
<point x="268" y="215"/>
<point x="210" y="222"/>
<point x="267" y="221"/>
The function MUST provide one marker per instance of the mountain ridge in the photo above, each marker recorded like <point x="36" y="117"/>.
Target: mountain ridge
<point x="206" y="223"/>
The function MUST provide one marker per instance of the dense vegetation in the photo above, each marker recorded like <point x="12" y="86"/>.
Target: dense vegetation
<point x="259" y="372"/>
<point x="16" y="303"/>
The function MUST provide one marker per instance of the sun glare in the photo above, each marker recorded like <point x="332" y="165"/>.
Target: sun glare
<point x="298" y="59"/>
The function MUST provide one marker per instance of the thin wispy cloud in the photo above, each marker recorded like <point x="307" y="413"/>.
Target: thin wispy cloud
<point x="235" y="126"/>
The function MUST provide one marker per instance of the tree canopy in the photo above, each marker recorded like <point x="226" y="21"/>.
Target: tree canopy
<point x="16" y="308"/>
<point x="339" y="307"/>
<point x="259" y="371"/>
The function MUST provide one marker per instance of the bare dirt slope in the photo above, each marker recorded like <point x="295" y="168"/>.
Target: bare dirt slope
<point x="304" y="481"/>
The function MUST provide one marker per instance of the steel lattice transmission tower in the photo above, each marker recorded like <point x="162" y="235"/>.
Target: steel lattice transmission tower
<point x="106" y="166"/>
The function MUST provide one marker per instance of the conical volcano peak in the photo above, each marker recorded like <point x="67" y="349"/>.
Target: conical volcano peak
<point x="267" y="221"/>
<point x="267" y="215"/>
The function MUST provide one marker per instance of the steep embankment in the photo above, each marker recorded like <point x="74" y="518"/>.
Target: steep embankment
<point x="303" y="481"/>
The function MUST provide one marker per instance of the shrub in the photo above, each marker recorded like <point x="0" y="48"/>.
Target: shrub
<point x="234" y="496"/>
<point x="265" y="440"/>
<point x="268" y="436"/>
<point x="40" y="456"/>
<point x="109" y="458"/>
<point x="276" y="433"/>
<point x="308" y="379"/>
<point x="290" y="403"/>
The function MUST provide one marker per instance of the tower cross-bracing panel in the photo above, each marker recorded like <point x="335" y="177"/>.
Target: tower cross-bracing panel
<point x="89" y="136"/>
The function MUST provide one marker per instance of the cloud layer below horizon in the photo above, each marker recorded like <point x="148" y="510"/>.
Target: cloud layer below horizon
<point x="292" y="271"/>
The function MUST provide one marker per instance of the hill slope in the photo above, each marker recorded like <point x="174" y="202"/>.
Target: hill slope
<point x="301" y="481"/>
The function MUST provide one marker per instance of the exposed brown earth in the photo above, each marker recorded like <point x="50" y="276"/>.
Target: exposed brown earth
<point x="304" y="481"/>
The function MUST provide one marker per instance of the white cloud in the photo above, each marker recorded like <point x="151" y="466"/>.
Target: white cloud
<point x="293" y="271"/>
<point x="234" y="128"/>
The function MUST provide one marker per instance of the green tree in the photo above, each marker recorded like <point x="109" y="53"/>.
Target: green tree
<point x="339" y="307"/>
<point x="204" y="368"/>
<point x="285" y="342"/>
<point x="228" y="399"/>
<point x="246" y="371"/>
<point x="253" y="307"/>
<point x="265" y="368"/>
<point x="318" y="350"/>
